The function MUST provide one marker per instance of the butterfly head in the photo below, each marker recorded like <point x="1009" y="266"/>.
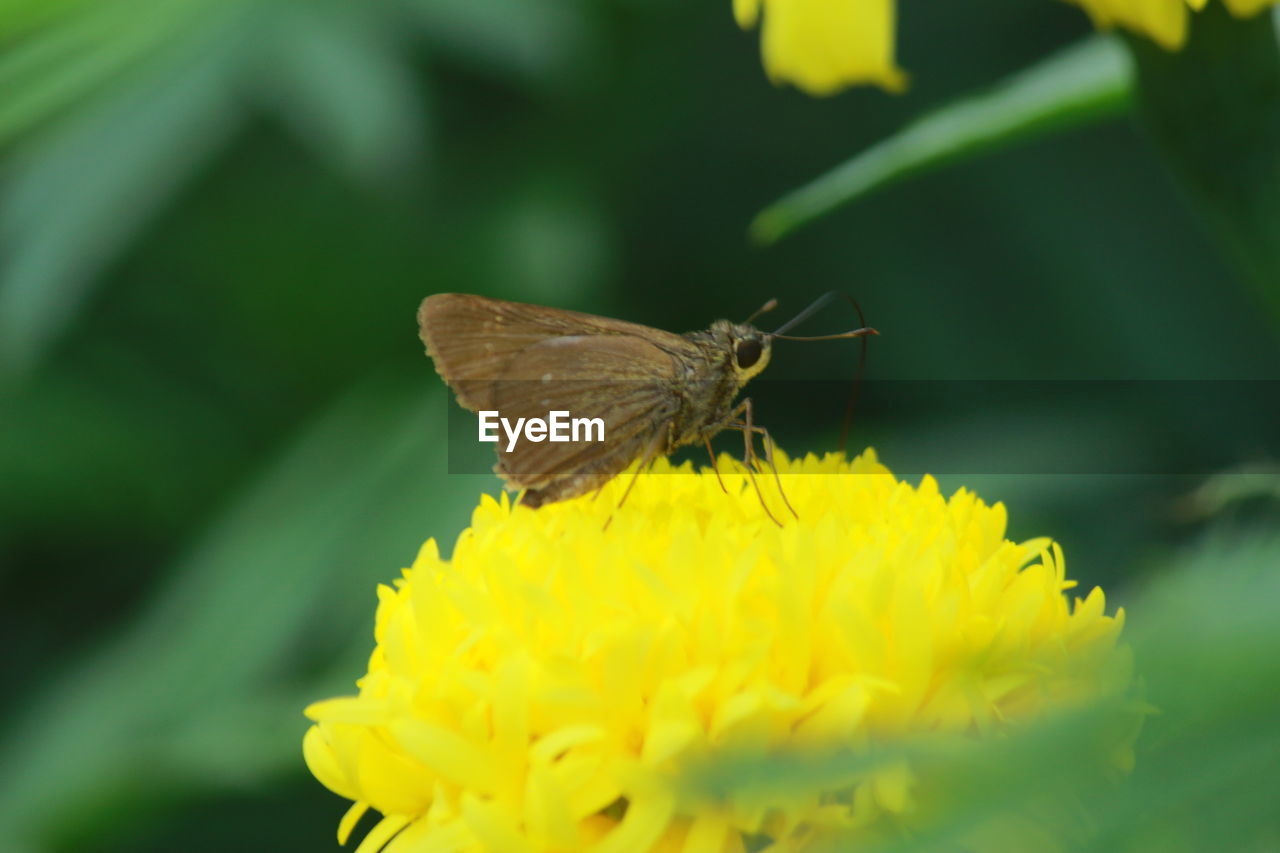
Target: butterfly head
<point x="748" y="347"/>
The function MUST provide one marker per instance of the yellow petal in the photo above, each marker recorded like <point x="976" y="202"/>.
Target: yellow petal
<point x="350" y="819"/>
<point x="1163" y="21"/>
<point x="746" y="12"/>
<point x="1246" y="8"/>
<point x="382" y="833"/>
<point x="823" y="46"/>
<point x="324" y="765"/>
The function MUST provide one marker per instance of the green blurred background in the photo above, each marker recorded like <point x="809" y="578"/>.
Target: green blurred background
<point x="219" y="429"/>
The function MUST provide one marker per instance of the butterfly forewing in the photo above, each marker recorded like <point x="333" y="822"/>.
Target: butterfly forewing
<point x="525" y="361"/>
<point x="474" y="340"/>
<point x="622" y="381"/>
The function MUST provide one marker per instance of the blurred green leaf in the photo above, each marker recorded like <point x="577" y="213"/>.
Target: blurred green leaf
<point x="1247" y="483"/>
<point x="73" y="200"/>
<point x="1214" y="109"/>
<point x="145" y="95"/>
<point x="84" y="48"/>
<point x="283" y="583"/>
<point x="18" y="17"/>
<point x="1084" y="83"/>
<point x="119" y="102"/>
<point x="529" y="40"/>
<point x="340" y="74"/>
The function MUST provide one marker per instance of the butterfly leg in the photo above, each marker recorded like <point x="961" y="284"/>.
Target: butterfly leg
<point x="769" y="444"/>
<point x="646" y="459"/>
<point x="750" y="429"/>
<point x="714" y="467"/>
<point x="743" y="409"/>
<point x="595" y="493"/>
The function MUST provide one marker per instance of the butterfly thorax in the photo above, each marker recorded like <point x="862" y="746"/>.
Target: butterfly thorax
<point x="730" y="355"/>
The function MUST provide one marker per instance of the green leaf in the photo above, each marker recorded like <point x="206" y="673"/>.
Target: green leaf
<point x="1084" y="83"/>
<point x="75" y="197"/>
<point x="1213" y="108"/>
<point x="83" y="49"/>
<point x="115" y="104"/>
<point x="338" y="74"/>
<point x="531" y="40"/>
<point x="276" y="589"/>
<point x="20" y="17"/>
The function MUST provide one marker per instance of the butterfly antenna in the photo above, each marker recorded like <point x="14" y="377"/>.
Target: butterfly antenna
<point x="808" y="312"/>
<point x="763" y="309"/>
<point x="852" y="404"/>
<point x="864" y="332"/>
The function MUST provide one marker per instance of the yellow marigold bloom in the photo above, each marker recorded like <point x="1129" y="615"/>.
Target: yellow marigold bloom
<point x="1240" y="8"/>
<point x="1163" y="21"/>
<point x="545" y="689"/>
<point x="822" y="46"/>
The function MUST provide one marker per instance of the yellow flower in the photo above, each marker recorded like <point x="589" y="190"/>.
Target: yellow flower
<point x="1163" y="21"/>
<point x="1240" y="8"/>
<point x="547" y="687"/>
<point x="822" y="46"/>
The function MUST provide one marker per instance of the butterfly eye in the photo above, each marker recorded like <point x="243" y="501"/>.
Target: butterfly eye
<point x="747" y="353"/>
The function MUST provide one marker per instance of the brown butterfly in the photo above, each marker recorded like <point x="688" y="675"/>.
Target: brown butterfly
<point x="654" y="391"/>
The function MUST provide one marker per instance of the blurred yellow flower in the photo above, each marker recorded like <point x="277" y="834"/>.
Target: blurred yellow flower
<point x="1240" y="8"/>
<point x="822" y="46"/>
<point x="545" y="689"/>
<point x="1163" y="21"/>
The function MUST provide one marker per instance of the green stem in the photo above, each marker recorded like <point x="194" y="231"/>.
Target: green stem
<point x="1084" y="83"/>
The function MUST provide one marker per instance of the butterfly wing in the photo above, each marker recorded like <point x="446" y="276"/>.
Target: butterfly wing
<point x="525" y="361"/>
<point x="474" y="341"/>
<point x="620" y="382"/>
